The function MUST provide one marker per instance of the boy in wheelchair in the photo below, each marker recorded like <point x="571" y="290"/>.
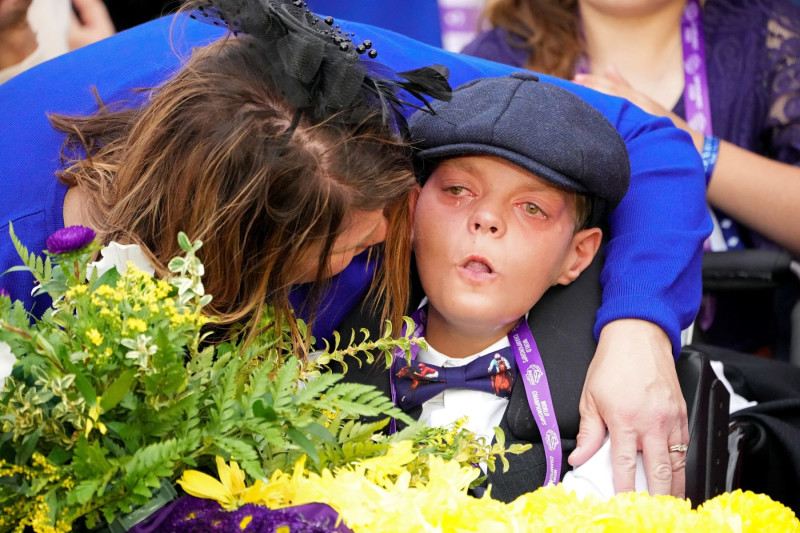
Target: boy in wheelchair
<point x="504" y="214"/>
<point x="507" y="226"/>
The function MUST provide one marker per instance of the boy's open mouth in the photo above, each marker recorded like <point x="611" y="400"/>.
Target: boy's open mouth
<point x="477" y="265"/>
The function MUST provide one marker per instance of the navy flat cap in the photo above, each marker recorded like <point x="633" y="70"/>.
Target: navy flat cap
<point x="538" y="126"/>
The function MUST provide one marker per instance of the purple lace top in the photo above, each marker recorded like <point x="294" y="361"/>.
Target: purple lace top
<point x="753" y="61"/>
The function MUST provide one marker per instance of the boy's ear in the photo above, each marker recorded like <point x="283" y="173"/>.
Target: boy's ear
<point x="585" y="244"/>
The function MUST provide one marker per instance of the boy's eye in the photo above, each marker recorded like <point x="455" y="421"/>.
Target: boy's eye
<point x="531" y="208"/>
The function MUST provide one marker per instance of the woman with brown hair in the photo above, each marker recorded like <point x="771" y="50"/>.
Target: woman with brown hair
<point x="285" y="174"/>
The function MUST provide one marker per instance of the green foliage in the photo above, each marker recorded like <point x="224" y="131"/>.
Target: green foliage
<point x="42" y="270"/>
<point x="115" y="391"/>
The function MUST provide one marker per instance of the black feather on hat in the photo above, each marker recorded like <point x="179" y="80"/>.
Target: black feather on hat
<point x="316" y="65"/>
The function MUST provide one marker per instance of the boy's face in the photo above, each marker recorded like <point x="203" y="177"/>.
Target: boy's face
<point x="490" y="238"/>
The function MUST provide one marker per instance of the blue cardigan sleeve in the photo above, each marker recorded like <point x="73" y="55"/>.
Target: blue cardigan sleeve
<point x="652" y="269"/>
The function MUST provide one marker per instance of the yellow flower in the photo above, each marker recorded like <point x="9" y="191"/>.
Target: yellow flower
<point x="229" y="490"/>
<point x="136" y="324"/>
<point x="94" y="336"/>
<point x="94" y="414"/>
<point x="450" y="475"/>
<point x="201" y="485"/>
<point x="368" y="500"/>
<point x="77" y="290"/>
<point x="231" y="476"/>
<point x="109" y="293"/>
<point x="392" y="464"/>
<point x="750" y="512"/>
<point x="162" y="289"/>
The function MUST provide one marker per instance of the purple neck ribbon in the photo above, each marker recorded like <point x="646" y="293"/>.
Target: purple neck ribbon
<point x="537" y="390"/>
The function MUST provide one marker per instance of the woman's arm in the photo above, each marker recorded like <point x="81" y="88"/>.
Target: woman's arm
<point x="638" y="326"/>
<point x="632" y="388"/>
<point x="759" y="192"/>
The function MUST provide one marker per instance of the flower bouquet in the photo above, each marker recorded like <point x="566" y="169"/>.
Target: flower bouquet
<point x="375" y="495"/>
<point x="116" y="391"/>
<point x="116" y="397"/>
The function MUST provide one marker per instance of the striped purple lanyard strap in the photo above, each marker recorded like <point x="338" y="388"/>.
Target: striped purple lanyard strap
<point x="695" y="85"/>
<point x="534" y="378"/>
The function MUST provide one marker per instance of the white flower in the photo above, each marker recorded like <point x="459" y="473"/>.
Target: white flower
<point x="118" y="255"/>
<point x="7" y="361"/>
<point x="141" y="349"/>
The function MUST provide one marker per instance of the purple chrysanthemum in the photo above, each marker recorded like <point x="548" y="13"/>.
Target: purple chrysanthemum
<point x="69" y="239"/>
<point x="195" y="515"/>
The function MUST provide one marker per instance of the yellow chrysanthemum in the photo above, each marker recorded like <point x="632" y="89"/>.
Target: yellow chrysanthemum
<point x="751" y="512"/>
<point x="450" y="475"/>
<point x="231" y="476"/>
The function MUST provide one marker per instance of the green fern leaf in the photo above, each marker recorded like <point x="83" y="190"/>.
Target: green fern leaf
<point x="222" y="412"/>
<point x="356" y="431"/>
<point x="32" y="262"/>
<point x="314" y="389"/>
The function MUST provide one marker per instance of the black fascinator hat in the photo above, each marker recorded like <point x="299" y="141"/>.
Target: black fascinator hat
<point x="317" y="66"/>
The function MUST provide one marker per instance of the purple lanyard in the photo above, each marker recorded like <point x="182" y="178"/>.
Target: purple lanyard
<point x="696" y="102"/>
<point x="537" y="390"/>
<point x="695" y="83"/>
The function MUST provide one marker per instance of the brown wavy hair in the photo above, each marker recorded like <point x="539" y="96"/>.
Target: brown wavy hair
<point x="209" y="155"/>
<point x="550" y="28"/>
